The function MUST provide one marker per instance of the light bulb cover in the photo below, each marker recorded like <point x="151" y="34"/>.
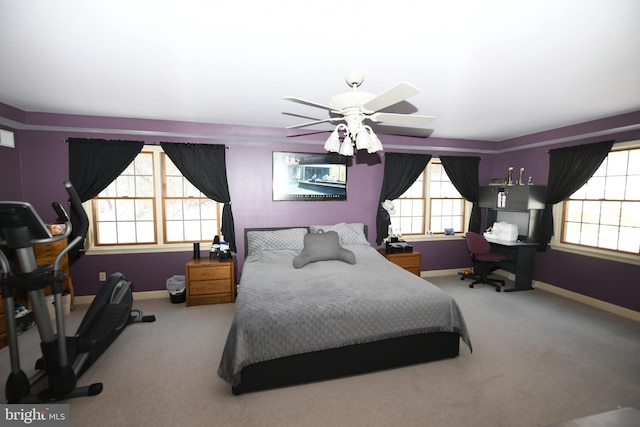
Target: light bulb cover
<point x="375" y="145"/>
<point x="346" y="149"/>
<point x="333" y="142"/>
<point x="363" y="140"/>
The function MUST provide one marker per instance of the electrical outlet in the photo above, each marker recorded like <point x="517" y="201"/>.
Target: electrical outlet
<point x="102" y="276"/>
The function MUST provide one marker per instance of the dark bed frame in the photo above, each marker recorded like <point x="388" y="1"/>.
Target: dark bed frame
<point x="346" y="361"/>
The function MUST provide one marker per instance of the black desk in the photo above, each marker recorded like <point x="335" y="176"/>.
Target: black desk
<point x="520" y="261"/>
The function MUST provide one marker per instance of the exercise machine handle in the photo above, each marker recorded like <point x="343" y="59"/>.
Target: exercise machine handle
<point x="76" y="205"/>
<point x="62" y="214"/>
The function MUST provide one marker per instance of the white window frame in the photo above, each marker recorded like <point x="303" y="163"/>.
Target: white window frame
<point x="558" y="216"/>
<point x="427" y="236"/>
<point x="92" y="249"/>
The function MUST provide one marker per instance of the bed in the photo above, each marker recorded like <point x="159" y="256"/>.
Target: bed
<point x="332" y="316"/>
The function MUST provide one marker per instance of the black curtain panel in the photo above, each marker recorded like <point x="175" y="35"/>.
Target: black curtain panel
<point x="93" y="165"/>
<point x="569" y="169"/>
<point x="463" y="173"/>
<point x="400" y="171"/>
<point x="204" y="165"/>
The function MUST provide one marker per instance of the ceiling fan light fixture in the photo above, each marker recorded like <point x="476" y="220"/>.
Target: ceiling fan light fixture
<point x="363" y="140"/>
<point x="346" y="149"/>
<point x="375" y="145"/>
<point x="357" y="106"/>
<point x="333" y="142"/>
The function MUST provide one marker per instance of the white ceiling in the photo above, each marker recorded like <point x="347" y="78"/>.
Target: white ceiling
<point x="488" y="70"/>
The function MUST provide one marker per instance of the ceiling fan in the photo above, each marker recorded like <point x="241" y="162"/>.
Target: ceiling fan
<point x="353" y="109"/>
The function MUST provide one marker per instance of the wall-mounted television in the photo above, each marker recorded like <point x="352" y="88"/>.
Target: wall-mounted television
<point x="309" y="176"/>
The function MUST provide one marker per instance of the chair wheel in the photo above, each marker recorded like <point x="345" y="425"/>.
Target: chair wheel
<point x="471" y="286"/>
<point x="497" y="289"/>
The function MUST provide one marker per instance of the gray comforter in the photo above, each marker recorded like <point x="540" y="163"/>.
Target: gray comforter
<point x="282" y="311"/>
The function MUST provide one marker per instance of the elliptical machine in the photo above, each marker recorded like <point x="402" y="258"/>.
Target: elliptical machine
<point x="64" y="358"/>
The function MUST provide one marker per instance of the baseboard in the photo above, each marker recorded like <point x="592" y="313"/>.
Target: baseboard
<point x="436" y="273"/>
<point x="593" y="302"/>
<point x="137" y="296"/>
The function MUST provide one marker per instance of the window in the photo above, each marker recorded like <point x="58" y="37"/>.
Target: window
<point x="151" y="203"/>
<point x="605" y="212"/>
<point x="189" y="215"/>
<point x="431" y="200"/>
<point x="410" y="208"/>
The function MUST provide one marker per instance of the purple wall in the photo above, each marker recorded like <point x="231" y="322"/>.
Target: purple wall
<point x="39" y="164"/>
<point x="10" y="173"/>
<point x="613" y="282"/>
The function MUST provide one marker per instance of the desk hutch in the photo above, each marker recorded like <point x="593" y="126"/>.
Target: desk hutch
<point x="521" y="205"/>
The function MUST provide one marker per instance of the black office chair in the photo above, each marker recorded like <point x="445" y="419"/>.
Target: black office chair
<point x="483" y="259"/>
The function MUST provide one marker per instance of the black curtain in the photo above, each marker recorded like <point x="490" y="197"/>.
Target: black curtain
<point x="204" y="165"/>
<point x="94" y="164"/>
<point x="569" y="169"/>
<point x="463" y="173"/>
<point x="400" y="172"/>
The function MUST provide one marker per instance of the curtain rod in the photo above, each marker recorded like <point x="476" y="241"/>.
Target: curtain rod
<point x="65" y="140"/>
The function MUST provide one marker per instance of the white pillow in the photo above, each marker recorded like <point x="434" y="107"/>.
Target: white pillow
<point x="350" y="234"/>
<point x="272" y="240"/>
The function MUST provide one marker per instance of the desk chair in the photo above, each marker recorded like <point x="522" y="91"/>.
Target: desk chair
<point x="483" y="257"/>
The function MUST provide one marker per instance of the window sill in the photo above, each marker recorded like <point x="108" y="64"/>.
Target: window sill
<point x="626" y="258"/>
<point x="435" y="238"/>
<point x="138" y="249"/>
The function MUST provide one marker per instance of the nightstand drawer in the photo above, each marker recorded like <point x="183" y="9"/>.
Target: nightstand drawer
<point x="410" y="261"/>
<point x="406" y="261"/>
<point x="204" y="287"/>
<point x="208" y="273"/>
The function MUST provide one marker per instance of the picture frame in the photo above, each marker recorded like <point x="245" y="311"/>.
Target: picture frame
<point x="309" y="176"/>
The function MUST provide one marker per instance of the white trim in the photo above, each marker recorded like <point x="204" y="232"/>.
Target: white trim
<point x="593" y="302"/>
<point x="137" y="296"/>
<point x="436" y="273"/>
<point x="596" y="253"/>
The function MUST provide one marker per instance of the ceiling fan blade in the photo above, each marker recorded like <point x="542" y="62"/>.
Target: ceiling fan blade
<point x="302" y="125"/>
<point x="300" y="116"/>
<point x="398" y="93"/>
<point x="309" y="103"/>
<point x="402" y="131"/>
<point x="402" y="119"/>
<point x="297" y="135"/>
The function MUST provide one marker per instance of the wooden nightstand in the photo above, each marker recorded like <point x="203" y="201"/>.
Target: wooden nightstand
<point x="410" y="261"/>
<point x="210" y="281"/>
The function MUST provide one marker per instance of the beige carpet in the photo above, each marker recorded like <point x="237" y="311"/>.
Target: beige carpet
<point x="538" y="359"/>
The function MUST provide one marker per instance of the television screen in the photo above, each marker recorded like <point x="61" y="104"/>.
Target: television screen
<point x="309" y="176"/>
